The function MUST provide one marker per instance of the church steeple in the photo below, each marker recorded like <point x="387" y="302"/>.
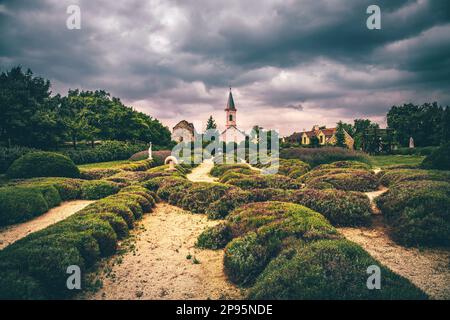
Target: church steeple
<point x="231" y="111"/>
<point x="230" y="103"/>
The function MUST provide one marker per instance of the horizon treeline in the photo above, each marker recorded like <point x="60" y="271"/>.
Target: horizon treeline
<point x="32" y="116"/>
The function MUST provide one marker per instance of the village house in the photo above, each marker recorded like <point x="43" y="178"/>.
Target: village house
<point x="325" y="136"/>
<point x="183" y="132"/>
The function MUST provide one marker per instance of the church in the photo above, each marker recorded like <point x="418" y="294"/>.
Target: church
<point x="231" y="132"/>
<point x="185" y="131"/>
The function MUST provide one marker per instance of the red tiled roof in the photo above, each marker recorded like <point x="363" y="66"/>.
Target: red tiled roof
<point x="328" y="132"/>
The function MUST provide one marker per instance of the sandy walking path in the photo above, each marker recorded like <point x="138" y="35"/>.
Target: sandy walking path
<point x="429" y="269"/>
<point x="372" y="195"/>
<point x="201" y="173"/>
<point x="16" y="232"/>
<point x="164" y="263"/>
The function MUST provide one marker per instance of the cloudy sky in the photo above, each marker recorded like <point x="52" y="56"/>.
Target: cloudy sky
<point x="291" y="63"/>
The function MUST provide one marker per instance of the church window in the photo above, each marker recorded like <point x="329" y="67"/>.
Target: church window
<point x="231" y="117"/>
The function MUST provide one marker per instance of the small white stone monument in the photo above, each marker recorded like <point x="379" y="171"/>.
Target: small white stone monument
<point x="150" y="157"/>
<point x="411" y="142"/>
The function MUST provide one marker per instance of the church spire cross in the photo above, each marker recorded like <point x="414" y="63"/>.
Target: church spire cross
<point x="230" y="103"/>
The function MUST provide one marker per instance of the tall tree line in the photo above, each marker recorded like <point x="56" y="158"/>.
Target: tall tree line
<point x="428" y="124"/>
<point x="32" y="116"/>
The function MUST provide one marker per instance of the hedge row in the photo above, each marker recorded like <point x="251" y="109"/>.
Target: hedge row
<point x="218" y="200"/>
<point x="328" y="270"/>
<point x="391" y="177"/>
<point x="318" y="156"/>
<point x="293" y="168"/>
<point x="101" y="173"/>
<point x="106" y="151"/>
<point x="418" y="212"/>
<point x="344" y="164"/>
<point x="340" y="178"/>
<point x="30" y="198"/>
<point x="341" y="208"/>
<point x="220" y="169"/>
<point x="35" y="266"/>
<point x="439" y="159"/>
<point x="264" y="181"/>
<point x="259" y="230"/>
<point x="287" y="251"/>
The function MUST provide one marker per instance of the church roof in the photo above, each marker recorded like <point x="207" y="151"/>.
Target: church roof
<point x="234" y="128"/>
<point x="230" y="103"/>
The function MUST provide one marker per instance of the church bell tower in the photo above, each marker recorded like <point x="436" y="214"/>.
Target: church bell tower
<point x="231" y="112"/>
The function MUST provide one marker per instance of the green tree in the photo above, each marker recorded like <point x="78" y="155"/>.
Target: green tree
<point x="340" y="135"/>
<point x="28" y="112"/>
<point x="211" y="123"/>
<point x="314" y="142"/>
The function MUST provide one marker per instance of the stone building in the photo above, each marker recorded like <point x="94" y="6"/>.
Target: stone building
<point x="183" y="132"/>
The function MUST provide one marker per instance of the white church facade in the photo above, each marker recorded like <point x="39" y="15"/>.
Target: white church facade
<point x="185" y="131"/>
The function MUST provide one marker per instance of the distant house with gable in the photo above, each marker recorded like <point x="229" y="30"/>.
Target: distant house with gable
<point x="325" y="136"/>
<point x="183" y="132"/>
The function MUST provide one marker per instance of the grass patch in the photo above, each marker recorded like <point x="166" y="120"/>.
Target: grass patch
<point x="391" y="160"/>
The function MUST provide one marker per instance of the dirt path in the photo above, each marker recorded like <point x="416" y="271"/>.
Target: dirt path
<point x="429" y="269"/>
<point x="16" y="232"/>
<point x="372" y="195"/>
<point x="158" y="267"/>
<point x="201" y="173"/>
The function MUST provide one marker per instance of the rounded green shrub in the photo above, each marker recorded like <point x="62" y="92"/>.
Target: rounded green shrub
<point x="18" y="286"/>
<point x="232" y="199"/>
<point x="260" y="231"/>
<point x="293" y="168"/>
<point x="215" y="237"/>
<point x="233" y="174"/>
<point x="199" y="196"/>
<point x="439" y="159"/>
<point x="341" y="208"/>
<point x="43" y="164"/>
<point x="19" y="204"/>
<point x="169" y="185"/>
<point x="111" y="205"/>
<point x="391" y="177"/>
<point x="265" y="181"/>
<point x="97" y="189"/>
<point x="328" y="270"/>
<point x="351" y="181"/>
<point x="117" y="223"/>
<point x="344" y="164"/>
<point x="50" y="194"/>
<point x="418" y="212"/>
<point x="98" y="173"/>
<point x="220" y="169"/>
<point x="270" y="194"/>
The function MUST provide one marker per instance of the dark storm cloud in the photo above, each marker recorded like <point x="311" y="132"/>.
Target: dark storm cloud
<point x="176" y="59"/>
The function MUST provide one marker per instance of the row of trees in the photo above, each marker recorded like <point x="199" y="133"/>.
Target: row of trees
<point x="32" y="116"/>
<point x="427" y="124"/>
